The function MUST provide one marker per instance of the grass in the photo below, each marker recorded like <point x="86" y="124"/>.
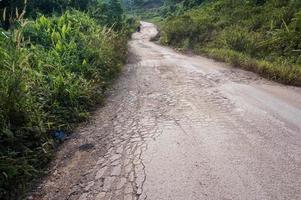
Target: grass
<point x="288" y="74"/>
<point x="264" y="38"/>
<point x="53" y="71"/>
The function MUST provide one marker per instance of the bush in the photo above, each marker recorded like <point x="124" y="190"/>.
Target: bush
<point x="53" y="70"/>
<point x="178" y="29"/>
<point x="266" y="31"/>
<point x="108" y="13"/>
<point x="238" y="39"/>
<point x="13" y="10"/>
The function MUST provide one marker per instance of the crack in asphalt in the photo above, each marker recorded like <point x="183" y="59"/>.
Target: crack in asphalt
<point x="182" y="128"/>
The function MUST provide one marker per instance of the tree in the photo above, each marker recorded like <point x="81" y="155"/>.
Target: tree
<point x="187" y="4"/>
<point x="108" y="13"/>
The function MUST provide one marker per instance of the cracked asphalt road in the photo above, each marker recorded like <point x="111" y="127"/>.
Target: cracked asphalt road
<point x="180" y="127"/>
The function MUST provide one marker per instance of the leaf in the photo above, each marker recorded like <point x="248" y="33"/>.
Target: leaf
<point x="8" y="133"/>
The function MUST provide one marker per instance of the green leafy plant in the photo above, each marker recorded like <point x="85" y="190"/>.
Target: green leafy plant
<point x="262" y="36"/>
<point x="54" y="70"/>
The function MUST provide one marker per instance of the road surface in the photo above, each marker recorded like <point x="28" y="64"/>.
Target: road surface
<point x="183" y="127"/>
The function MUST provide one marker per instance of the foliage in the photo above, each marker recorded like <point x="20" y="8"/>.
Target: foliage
<point x="266" y="31"/>
<point x="141" y="4"/>
<point x="53" y="70"/>
<point x="109" y="13"/>
<point x="169" y="8"/>
<point x="32" y="8"/>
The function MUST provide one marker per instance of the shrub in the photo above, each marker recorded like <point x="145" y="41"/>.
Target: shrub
<point x="53" y="70"/>
<point x="266" y="31"/>
<point x="108" y="13"/>
<point x="178" y="29"/>
<point x="238" y="39"/>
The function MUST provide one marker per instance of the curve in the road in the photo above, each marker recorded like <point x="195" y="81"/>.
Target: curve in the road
<point x="178" y="127"/>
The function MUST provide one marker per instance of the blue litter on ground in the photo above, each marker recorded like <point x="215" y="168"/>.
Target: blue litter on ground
<point x="59" y="135"/>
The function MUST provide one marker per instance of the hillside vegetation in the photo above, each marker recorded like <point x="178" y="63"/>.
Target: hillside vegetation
<point x="263" y="36"/>
<point x="55" y="66"/>
<point x="135" y="5"/>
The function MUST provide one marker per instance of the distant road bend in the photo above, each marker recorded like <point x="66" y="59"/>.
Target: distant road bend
<point x="180" y="127"/>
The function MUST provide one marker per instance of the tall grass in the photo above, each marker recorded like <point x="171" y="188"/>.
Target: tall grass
<point x="53" y="70"/>
<point x="268" y="32"/>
